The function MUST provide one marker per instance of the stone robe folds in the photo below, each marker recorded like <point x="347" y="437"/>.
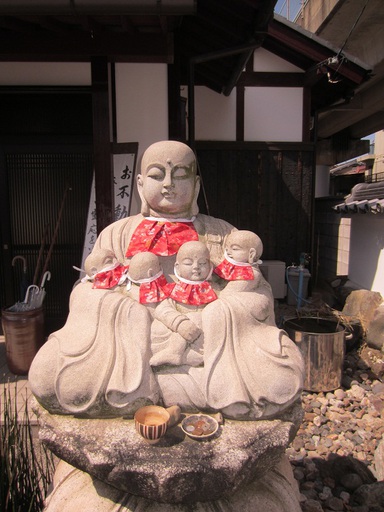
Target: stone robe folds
<point x="98" y="364"/>
<point x="252" y="368"/>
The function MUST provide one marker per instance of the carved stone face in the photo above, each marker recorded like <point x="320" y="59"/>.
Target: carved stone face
<point x="238" y="252"/>
<point x="193" y="262"/>
<point x="244" y="246"/>
<point x="168" y="184"/>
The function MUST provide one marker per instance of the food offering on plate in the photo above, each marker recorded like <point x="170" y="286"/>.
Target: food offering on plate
<point x="199" y="426"/>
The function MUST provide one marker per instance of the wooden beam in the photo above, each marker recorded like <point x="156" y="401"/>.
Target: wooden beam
<point x="97" y="7"/>
<point x="102" y="144"/>
<point x="118" y="47"/>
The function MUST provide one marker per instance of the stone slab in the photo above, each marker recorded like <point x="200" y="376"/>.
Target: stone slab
<point x="177" y="469"/>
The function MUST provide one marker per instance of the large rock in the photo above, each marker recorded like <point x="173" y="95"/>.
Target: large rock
<point x="375" y="330"/>
<point x="177" y="469"/>
<point x="361" y="305"/>
<point x="379" y="461"/>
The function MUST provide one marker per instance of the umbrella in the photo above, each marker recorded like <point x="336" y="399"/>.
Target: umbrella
<point x="31" y="297"/>
<point x="24" y="278"/>
<point x="41" y="293"/>
<point x="29" y="300"/>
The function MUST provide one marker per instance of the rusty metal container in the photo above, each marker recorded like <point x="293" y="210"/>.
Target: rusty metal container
<point x="322" y="344"/>
<point x="24" y="335"/>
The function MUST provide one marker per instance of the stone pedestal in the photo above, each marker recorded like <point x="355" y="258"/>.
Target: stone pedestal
<point x="75" y="491"/>
<point x="108" y="466"/>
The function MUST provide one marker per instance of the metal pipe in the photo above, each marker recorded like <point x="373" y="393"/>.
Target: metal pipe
<point x="300" y="287"/>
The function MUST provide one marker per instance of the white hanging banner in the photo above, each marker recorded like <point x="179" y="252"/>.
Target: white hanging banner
<point x="124" y="163"/>
<point x="123" y="167"/>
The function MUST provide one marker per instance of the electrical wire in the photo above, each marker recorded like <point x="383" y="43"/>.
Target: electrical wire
<point x="340" y="57"/>
<point x="353" y="28"/>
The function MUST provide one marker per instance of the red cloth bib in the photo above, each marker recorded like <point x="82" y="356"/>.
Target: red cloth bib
<point x="109" y="278"/>
<point x="194" y="294"/>
<point x="161" y="237"/>
<point x="232" y="272"/>
<point x="155" y="291"/>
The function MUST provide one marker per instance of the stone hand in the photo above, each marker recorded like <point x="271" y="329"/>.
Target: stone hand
<point x="189" y="331"/>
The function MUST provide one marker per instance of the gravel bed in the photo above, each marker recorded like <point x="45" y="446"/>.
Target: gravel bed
<point x="333" y="453"/>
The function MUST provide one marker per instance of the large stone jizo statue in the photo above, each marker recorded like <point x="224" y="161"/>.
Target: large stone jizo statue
<point x="174" y="311"/>
<point x="106" y="361"/>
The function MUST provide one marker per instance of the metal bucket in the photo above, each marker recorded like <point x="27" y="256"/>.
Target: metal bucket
<point x="24" y="335"/>
<point x="322" y="344"/>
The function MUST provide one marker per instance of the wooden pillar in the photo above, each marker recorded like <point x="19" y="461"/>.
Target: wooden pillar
<point x="176" y="104"/>
<point x="240" y="112"/>
<point x="306" y="114"/>
<point x="102" y="143"/>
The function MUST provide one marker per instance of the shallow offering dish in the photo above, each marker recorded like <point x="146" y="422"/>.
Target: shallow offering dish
<point x="199" y="426"/>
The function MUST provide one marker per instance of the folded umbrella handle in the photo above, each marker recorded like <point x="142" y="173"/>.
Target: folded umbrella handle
<point x="46" y="277"/>
<point x="23" y="260"/>
<point x="26" y="300"/>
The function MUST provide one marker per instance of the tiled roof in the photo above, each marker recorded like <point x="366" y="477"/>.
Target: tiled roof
<point x="364" y="206"/>
<point x="364" y="198"/>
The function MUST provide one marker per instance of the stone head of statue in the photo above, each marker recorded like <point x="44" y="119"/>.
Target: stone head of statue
<point x="143" y="266"/>
<point x="244" y="246"/>
<point x="193" y="261"/>
<point x="168" y="184"/>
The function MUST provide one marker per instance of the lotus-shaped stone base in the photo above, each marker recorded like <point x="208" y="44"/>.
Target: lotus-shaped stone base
<point x="177" y="470"/>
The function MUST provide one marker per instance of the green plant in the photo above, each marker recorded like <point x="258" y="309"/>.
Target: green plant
<point x="26" y="465"/>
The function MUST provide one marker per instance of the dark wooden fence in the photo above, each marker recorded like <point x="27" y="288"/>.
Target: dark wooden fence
<point x="266" y="188"/>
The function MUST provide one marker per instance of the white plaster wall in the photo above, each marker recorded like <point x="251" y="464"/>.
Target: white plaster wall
<point x="215" y="115"/>
<point x="379" y="142"/>
<point x="263" y="60"/>
<point x="273" y="114"/>
<point x="343" y="246"/>
<point x="379" y="152"/>
<point x="366" y="265"/>
<point x="141" y="108"/>
<point x="45" y="73"/>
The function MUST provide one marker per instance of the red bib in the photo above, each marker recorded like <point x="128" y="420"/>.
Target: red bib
<point x="194" y="294"/>
<point x="155" y="291"/>
<point x="161" y="237"/>
<point x="232" y="272"/>
<point x="109" y="278"/>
